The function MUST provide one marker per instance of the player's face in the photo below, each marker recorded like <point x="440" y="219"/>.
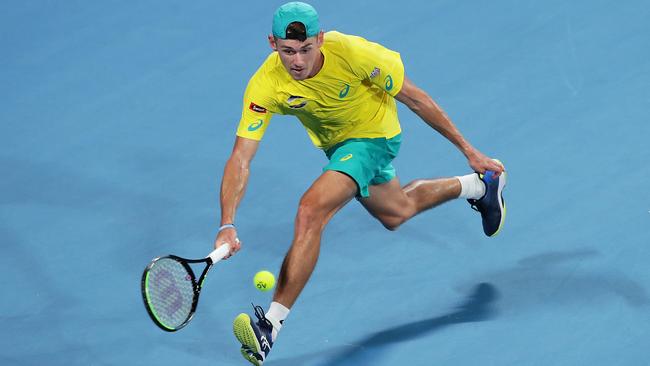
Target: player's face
<point x="301" y="59"/>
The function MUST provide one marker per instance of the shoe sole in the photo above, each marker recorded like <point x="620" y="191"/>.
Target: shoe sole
<point x="248" y="356"/>
<point x="245" y="334"/>
<point x="502" y="203"/>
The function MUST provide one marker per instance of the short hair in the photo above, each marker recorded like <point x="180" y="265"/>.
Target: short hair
<point x="297" y="31"/>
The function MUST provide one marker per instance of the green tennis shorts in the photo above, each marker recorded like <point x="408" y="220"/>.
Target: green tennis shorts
<point x="366" y="160"/>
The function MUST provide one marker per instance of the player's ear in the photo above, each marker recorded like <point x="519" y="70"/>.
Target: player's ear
<point x="272" y="42"/>
<point x="321" y="38"/>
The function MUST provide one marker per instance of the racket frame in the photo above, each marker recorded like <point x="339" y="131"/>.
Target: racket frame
<point x="210" y="260"/>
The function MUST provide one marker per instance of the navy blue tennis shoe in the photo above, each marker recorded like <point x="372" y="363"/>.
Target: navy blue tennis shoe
<point x="491" y="206"/>
<point x="255" y="337"/>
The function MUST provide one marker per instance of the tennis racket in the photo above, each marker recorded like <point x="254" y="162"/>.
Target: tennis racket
<point x="171" y="291"/>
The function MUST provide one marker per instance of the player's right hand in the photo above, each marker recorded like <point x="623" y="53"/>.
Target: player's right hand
<point x="481" y="163"/>
<point x="228" y="235"/>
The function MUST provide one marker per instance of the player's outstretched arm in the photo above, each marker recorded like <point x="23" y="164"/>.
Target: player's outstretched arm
<point x="424" y="106"/>
<point x="233" y="186"/>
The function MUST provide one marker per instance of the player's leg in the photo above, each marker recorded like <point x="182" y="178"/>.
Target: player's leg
<point x="392" y="204"/>
<point x="328" y="194"/>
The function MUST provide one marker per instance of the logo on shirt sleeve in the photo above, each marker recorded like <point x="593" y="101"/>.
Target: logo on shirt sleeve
<point x="375" y="73"/>
<point x="255" y="125"/>
<point x="256" y="108"/>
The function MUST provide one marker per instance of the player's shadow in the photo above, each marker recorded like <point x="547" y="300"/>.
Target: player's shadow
<point x="478" y="306"/>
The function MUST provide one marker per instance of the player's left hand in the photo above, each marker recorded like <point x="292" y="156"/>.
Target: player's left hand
<point x="481" y="163"/>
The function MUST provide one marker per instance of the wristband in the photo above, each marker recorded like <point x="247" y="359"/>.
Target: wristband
<point x="226" y="226"/>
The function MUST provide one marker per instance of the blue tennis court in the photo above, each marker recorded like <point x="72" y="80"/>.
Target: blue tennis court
<point x="118" y="116"/>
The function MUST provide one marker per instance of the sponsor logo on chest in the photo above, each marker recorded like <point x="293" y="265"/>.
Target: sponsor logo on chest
<point x="296" y="101"/>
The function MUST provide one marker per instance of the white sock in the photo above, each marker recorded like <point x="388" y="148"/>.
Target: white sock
<point x="276" y="315"/>
<point x="471" y="186"/>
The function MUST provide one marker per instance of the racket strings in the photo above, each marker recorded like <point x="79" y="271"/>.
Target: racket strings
<point x="170" y="292"/>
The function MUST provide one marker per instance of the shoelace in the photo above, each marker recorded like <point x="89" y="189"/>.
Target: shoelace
<point x="259" y="313"/>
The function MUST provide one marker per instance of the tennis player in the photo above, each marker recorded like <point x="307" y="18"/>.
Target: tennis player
<point x="342" y="89"/>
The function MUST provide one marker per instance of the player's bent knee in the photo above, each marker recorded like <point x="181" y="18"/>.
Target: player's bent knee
<point x="393" y="220"/>
<point x="309" y="215"/>
<point x="392" y="223"/>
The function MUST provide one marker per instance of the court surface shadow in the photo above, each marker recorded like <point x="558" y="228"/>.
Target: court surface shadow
<point x="478" y="306"/>
<point x="579" y="277"/>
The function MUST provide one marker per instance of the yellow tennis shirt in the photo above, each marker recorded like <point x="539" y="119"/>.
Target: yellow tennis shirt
<point x="350" y="97"/>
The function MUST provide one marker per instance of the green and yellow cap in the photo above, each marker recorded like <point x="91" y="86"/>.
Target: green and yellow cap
<point x="295" y="12"/>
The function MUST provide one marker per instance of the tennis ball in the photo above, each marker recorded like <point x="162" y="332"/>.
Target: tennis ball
<point x="264" y="280"/>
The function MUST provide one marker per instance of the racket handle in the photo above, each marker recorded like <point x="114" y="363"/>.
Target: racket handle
<point x="219" y="253"/>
